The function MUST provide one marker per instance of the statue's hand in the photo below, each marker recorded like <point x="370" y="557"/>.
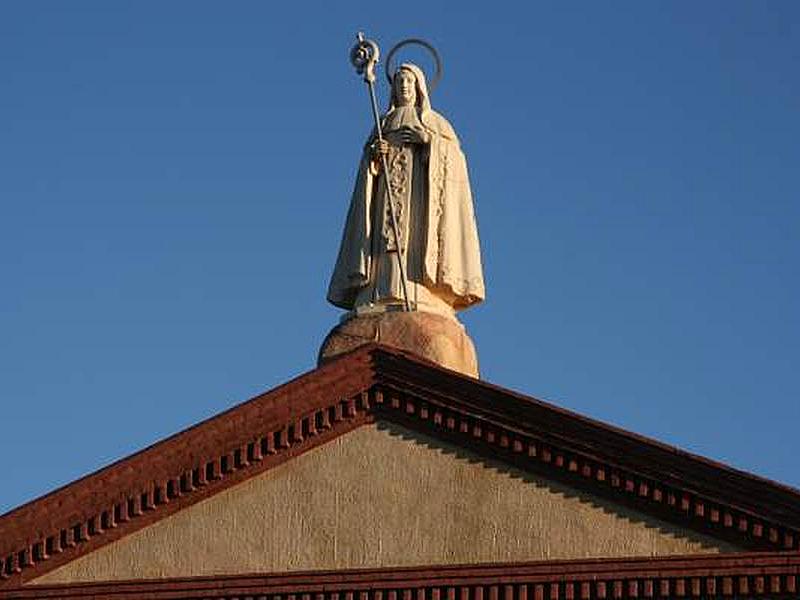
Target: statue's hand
<point x="380" y="148"/>
<point x="414" y="136"/>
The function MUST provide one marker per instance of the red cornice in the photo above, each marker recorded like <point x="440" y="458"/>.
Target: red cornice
<point x="710" y="577"/>
<point x="184" y="469"/>
<point x="661" y="480"/>
<point x="378" y="382"/>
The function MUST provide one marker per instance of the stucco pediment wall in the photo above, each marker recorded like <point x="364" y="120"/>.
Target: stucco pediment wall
<point x="381" y="496"/>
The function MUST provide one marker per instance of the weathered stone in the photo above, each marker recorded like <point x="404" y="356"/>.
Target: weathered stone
<point x="436" y="338"/>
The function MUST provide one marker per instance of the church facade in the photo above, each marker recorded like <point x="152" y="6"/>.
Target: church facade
<point x="382" y="476"/>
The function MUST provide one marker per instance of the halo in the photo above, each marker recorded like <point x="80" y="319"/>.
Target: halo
<point x="436" y="78"/>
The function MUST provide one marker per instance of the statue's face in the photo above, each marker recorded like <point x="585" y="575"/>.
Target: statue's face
<point x="405" y="88"/>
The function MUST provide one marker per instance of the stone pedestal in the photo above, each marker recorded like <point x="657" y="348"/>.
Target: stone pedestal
<point x="434" y="337"/>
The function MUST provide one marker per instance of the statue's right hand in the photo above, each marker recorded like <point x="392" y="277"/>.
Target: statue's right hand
<point x="380" y="148"/>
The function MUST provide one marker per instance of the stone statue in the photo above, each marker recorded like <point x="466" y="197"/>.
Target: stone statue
<point x="433" y="203"/>
<point x="409" y="257"/>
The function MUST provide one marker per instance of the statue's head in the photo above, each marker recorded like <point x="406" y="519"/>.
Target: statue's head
<point x="409" y="87"/>
<point x="405" y="88"/>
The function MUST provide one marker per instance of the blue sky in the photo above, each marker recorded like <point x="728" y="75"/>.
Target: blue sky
<point x="174" y="177"/>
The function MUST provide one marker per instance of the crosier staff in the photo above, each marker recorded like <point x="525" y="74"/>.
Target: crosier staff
<point x="364" y="56"/>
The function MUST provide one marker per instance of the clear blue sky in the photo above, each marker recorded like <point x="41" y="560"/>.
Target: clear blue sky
<point x="174" y="177"/>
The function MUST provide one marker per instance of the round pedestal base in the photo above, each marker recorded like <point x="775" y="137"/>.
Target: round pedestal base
<point x="434" y="337"/>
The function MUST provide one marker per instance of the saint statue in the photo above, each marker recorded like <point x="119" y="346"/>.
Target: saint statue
<point x="430" y="191"/>
<point x="409" y="259"/>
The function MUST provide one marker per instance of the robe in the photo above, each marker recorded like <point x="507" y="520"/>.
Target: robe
<point x="438" y="232"/>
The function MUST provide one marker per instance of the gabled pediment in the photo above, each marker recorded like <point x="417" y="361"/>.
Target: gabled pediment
<point x="382" y="495"/>
<point x="513" y="443"/>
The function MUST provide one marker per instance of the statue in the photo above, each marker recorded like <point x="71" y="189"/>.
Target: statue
<point x="410" y="240"/>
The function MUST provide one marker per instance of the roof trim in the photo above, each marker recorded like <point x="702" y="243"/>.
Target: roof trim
<point x="184" y="469"/>
<point x="627" y="468"/>
<point x="711" y="577"/>
<point x="376" y="382"/>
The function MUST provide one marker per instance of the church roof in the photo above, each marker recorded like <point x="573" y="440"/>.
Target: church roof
<point x="377" y="382"/>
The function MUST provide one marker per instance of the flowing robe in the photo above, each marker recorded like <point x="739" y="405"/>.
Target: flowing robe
<point x="436" y="219"/>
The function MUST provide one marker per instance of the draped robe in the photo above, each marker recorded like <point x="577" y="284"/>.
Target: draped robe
<point x="436" y="221"/>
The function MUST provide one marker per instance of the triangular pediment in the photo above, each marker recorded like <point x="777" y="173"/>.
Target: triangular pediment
<point x="556" y="484"/>
<point x="382" y="495"/>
